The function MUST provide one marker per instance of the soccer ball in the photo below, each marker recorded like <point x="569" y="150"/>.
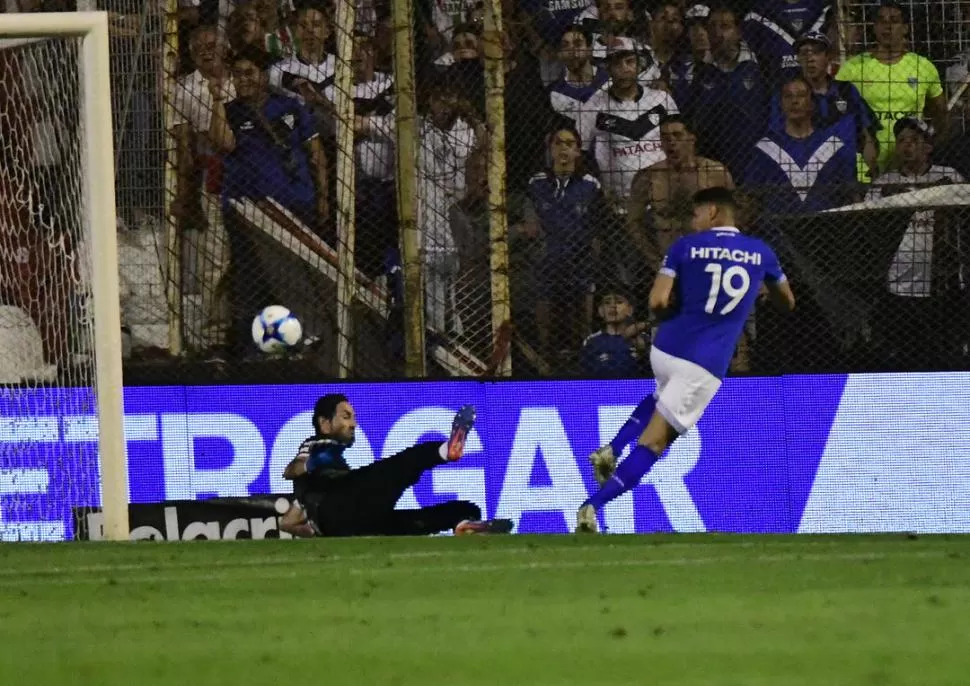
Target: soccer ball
<point x="275" y="329"/>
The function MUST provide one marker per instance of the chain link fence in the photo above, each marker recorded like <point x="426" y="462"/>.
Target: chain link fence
<point x="468" y="188"/>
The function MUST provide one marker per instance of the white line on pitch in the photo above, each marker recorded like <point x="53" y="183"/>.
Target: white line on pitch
<point x="279" y="568"/>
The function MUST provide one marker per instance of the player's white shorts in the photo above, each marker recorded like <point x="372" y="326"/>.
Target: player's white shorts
<point x="684" y="389"/>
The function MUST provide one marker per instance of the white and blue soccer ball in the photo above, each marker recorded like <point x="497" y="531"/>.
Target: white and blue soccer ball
<point x="276" y="330"/>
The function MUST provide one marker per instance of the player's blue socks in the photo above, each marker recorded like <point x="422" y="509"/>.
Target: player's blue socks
<point x="628" y="475"/>
<point x="634" y="426"/>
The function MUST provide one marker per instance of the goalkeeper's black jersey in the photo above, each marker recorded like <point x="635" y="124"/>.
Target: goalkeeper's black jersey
<point x="324" y="463"/>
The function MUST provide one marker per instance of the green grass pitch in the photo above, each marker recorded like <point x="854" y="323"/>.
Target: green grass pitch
<point x="556" y="610"/>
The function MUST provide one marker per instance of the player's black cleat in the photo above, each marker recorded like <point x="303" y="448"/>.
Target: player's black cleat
<point x="488" y="526"/>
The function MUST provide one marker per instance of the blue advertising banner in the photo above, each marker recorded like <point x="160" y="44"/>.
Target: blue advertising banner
<point x="771" y="455"/>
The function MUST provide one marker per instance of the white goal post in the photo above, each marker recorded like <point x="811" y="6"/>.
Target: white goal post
<point x="99" y="230"/>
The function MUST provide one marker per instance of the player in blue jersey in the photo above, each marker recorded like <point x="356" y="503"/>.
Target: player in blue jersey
<point x="707" y="286"/>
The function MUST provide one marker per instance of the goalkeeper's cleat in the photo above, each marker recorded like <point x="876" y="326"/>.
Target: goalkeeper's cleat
<point x="604" y="463"/>
<point x="462" y="424"/>
<point x="489" y="526"/>
<point x="586" y="520"/>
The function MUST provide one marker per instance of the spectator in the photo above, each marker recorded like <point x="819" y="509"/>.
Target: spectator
<point x="801" y="168"/>
<point x="376" y="202"/>
<point x="552" y="18"/>
<point x="918" y="323"/>
<point x="450" y="132"/>
<point x="203" y="226"/>
<point x="608" y="20"/>
<point x="663" y="192"/>
<point x="619" y="348"/>
<point x="667" y="32"/>
<point x="582" y="79"/>
<point x="728" y="102"/>
<point x="620" y="125"/>
<point x="679" y="72"/>
<point x="773" y="28"/>
<point x="446" y="15"/>
<point x="465" y="47"/>
<point x="469" y="221"/>
<point x="308" y="72"/>
<point x="256" y="24"/>
<point x="833" y="99"/>
<point x="895" y="82"/>
<point x="272" y="151"/>
<point x="566" y="207"/>
<point x="527" y="107"/>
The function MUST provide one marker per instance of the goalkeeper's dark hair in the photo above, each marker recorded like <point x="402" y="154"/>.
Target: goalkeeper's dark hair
<point x="717" y="195"/>
<point x="326" y="407"/>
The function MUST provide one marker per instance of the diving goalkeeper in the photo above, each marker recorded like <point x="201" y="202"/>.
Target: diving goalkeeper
<point x="331" y="499"/>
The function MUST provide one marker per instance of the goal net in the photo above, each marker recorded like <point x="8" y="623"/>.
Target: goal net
<point x="59" y="329"/>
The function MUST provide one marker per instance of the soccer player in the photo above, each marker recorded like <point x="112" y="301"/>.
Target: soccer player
<point x="895" y="82"/>
<point x="706" y="289"/>
<point x="331" y="499"/>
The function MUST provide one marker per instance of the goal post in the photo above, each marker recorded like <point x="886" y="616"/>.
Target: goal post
<point x="96" y="216"/>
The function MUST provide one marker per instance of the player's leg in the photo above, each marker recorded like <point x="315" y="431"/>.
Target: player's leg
<point x="383" y="482"/>
<point x="427" y="520"/>
<point x="684" y="390"/>
<point x="604" y="459"/>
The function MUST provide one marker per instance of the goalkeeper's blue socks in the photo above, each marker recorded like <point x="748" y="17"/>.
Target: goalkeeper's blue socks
<point x="628" y="475"/>
<point x="634" y="426"/>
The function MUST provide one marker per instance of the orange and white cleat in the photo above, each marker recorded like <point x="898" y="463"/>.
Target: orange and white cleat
<point x="462" y="424"/>
<point x="489" y="526"/>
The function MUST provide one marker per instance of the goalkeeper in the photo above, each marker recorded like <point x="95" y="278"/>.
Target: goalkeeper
<point x="331" y="499"/>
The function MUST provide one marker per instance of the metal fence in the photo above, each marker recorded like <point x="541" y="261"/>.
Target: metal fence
<point x="473" y="188"/>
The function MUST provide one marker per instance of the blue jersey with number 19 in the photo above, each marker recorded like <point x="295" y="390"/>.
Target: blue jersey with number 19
<point x="718" y="275"/>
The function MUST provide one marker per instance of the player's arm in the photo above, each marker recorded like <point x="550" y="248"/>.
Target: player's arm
<point x="661" y="295"/>
<point x="779" y="290"/>
<point x="781" y="295"/>
<point x="297" y="466"/>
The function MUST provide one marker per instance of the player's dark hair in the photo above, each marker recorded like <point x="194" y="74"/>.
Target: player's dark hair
<point x="716" y="195"/>
<point x="326" y="407"/>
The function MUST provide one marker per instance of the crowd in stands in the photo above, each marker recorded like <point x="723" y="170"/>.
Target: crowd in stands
<point x="616" y="112"/>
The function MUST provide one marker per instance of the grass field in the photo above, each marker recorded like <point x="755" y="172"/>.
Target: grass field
<point x="503" y="610"/>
